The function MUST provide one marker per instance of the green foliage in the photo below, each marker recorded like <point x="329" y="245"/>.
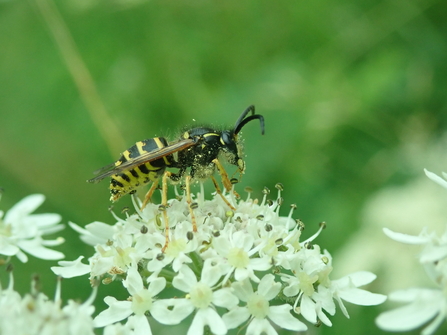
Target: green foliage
<point x="353" y="93"/>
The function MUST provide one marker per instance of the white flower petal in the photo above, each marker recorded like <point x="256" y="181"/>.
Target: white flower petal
<point x="325" y="299"/>
<point x="70" y="269"/>
<point x="207" y="316"/>
<point x="433" y="253"/>
<point x="323" y="318"/>
<point x="24" y="207"/>
<point x="411" y="294"/>
<point x="211" y="272"/>
<point x="45" y="220"/>
<point x="22" y="256"/>
<point x="438" y="180"/>
<point x="179" y="261"/>
<point x="407" y="317"/>
<point x="405" y="238"/>
<point x="7" y="248"/>
<point x="308" y="310"/>
<point x="243" y="289"/>
<point x="100" y="229"/>
<point x="362" y="297"/>
<point x="342" y="306"/>
<point x="100" y="265"/>
<point x="52" y="243"/>
<point x="431" y="328"/>
<point x="118" y="329"/>
<point x="236" y="316"/>
<point x="185" y="279"/>
<point x="77" y="228"/>
<point x="225" y="298"/>
<point x="260" y="326"/>
<point x="292" y="287"/>
<point x="156" y="285"/>
<point x="171" y="311"/>
<point x="222" y="245"/>
<point x="94" y="233"/>
<point x="117" y="311"/>
<point x="268" y="288"/>
<point x="282" y="317"/>
<point x="241" y="274"/>
<point x="141" y="325"/>
<point x="34" y="247"/>
<point x="133" y="281"/>
<point x="261" y="264"/>
<point x="242" y="240"/>
<point x="355" y="279"/>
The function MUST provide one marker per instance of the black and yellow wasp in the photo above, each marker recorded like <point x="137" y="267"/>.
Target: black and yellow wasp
<point x="199" y="150"/>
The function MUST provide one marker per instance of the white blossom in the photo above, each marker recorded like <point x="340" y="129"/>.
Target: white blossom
<point x="423" y="305"/>
<point x="347" y="289"/>
<point x="35" y="314"/>
<point x="21" y="231"/>
<point x="258" y="310"/>
<point x="226" y="267"/>
<point x="315" y="292"/>
<point x="237" y="249"/>
<point x="140" y="302"/>
<point x="202" y="298"/>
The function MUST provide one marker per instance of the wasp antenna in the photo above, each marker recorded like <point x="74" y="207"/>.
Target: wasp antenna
<point x="249" y="109"/>
<point x="242" y="122"/>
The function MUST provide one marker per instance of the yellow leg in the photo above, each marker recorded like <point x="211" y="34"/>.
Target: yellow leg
<point x="149" y="194"/>
<point x="225" y="180"/>
<point x="216" y="185"/>
<point x="223" y="174"/>
<point x="164" y="207"/>
<point x="191" y="205"/>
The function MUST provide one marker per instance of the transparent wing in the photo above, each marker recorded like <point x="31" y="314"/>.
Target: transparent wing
<point x="150" y="156"/>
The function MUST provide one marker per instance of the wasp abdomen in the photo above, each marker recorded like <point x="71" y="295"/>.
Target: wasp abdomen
<point x="128" y="181"/>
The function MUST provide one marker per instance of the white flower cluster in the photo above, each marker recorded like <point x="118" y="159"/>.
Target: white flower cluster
<point x="35" y="314"/>
<point x="21" y="231"/>
<point x="245" y="268"/>
<point x="423" y="304"/>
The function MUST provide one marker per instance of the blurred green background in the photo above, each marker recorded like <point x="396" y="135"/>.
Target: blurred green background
<point x="353" y="94"/>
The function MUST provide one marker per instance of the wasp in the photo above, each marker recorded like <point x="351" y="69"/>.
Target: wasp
<point x="197" y="154"/>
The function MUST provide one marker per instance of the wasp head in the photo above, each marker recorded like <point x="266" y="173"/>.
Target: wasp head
<point x="232" y="144"/>
<point x="232" y="149"/>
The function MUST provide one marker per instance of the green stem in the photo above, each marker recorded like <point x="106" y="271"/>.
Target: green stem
<point x="197" y="264"/>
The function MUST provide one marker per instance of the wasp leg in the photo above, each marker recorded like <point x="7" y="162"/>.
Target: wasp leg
<point x="164" y="207"/>
<point x="191" y="205"/>
<point x="149" y="194"/>
<point x="216" y="185"/>
<point x="225" y="180"/>
<point x="223" y="174"/>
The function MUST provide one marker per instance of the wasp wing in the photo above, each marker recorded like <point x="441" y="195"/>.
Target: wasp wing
<point x="147" y="157"/>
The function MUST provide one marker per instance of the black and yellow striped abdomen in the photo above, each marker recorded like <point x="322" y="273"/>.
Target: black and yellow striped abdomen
<point x="128" y="181"/>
